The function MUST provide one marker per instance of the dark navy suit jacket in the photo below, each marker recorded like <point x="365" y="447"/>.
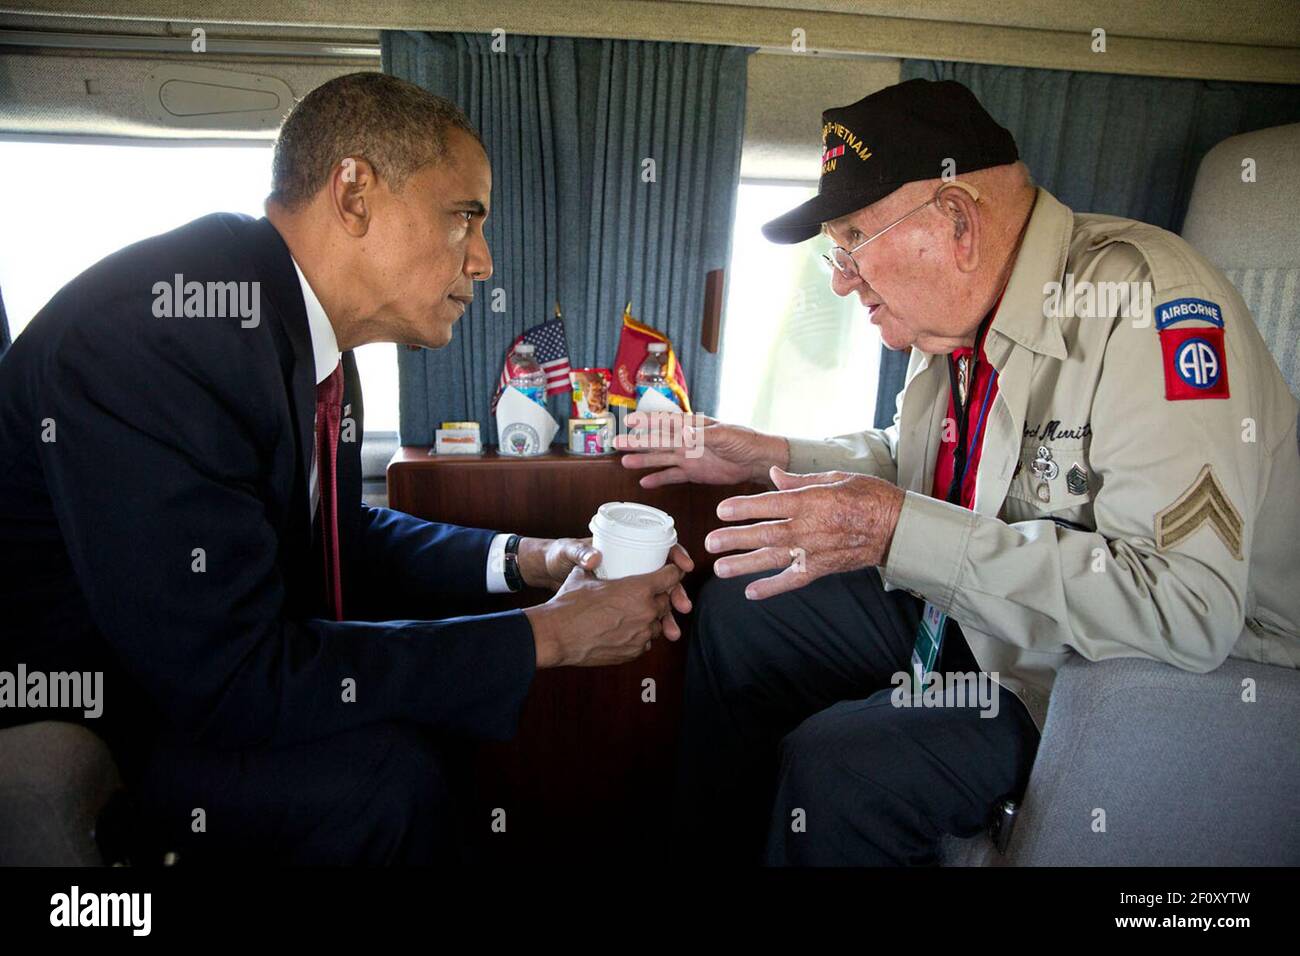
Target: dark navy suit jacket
<point x="176" y="434"/>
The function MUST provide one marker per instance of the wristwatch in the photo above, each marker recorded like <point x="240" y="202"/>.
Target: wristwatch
<point x="510" y="562"/>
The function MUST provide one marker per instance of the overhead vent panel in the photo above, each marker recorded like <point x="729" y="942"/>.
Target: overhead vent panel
<point x="190" y="97"/>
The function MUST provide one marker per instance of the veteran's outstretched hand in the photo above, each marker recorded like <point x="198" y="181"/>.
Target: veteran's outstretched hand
<point x="811" y="526"/>
<point x="696" y="448"/>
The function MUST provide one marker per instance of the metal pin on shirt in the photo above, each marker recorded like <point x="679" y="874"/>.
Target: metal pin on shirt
<point x="963" y="379"/>
<point x="1044" y="469"/>
<point x="1042" y="466"/>
<point x="1076" y="480"/>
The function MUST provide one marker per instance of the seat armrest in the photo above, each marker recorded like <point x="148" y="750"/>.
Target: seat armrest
<point x="1143" y="764"/>
<point x="55" y="778"/>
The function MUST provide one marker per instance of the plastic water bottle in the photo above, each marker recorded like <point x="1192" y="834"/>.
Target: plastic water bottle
<point x="528" y="377"/>
<point x="653" y="373"/>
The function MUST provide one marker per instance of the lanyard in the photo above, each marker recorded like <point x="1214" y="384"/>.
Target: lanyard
<point x="960" y="453"/>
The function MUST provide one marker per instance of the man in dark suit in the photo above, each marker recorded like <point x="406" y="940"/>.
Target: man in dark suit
<point x="180" y="508"/>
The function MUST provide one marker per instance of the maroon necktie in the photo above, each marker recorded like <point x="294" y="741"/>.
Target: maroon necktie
<point x="329" y="411"/>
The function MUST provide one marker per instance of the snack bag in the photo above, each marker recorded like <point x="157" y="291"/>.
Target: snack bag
<point x="590" y="392"/>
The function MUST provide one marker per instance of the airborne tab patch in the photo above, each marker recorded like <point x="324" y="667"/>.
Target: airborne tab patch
<point x="1205" y="502"/>
<point x="1184" y="310"/>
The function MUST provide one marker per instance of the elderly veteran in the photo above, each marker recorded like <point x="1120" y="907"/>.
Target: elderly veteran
<point x="1094" y="453"/>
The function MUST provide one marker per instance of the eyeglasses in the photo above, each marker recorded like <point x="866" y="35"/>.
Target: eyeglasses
<point x="842" y="259"/>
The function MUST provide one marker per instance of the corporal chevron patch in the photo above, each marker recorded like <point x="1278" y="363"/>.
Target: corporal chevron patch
<point x="1205" y="502"/>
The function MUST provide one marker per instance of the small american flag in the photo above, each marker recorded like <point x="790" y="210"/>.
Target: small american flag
<point x="552" y="354"/>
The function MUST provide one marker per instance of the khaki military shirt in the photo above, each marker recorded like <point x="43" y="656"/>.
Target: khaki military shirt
<point x="1138" y="491"/>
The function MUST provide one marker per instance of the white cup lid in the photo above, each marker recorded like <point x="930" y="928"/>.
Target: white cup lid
<point x="634" y="523"/>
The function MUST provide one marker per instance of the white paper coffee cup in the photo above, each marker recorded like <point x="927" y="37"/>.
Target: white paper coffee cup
<point x="631" y="538"/>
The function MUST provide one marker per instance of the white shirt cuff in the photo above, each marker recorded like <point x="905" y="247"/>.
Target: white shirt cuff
<point x="496" y="565"/>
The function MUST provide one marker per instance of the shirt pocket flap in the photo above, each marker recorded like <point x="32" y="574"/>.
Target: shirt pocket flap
<point x="1052" y="475"/>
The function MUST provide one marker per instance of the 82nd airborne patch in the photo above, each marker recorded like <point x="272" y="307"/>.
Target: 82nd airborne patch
<point x="1195" y="359"/>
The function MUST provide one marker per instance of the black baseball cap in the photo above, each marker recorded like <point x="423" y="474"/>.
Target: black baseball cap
<point x="897" y="135"/>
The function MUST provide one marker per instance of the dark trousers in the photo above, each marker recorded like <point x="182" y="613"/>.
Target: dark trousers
<point x="386" y="793"/>
<point x="792" y="751"/>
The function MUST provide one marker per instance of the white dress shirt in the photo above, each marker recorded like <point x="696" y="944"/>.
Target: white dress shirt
<point x="325" y="351"/>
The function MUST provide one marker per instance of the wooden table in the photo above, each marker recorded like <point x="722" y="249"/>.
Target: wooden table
<point x="590" y="774"/>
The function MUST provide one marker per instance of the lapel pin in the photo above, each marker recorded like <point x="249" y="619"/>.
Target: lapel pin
<point x="1042" y="466"/>
<point x="1044" y="469"/>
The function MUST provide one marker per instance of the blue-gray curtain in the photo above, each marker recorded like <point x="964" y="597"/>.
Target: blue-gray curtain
<point x="568" y="125"/>
<point x="1123" y="145"/>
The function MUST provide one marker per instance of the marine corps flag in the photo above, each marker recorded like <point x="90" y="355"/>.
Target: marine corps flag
<point x="633" y="343"/>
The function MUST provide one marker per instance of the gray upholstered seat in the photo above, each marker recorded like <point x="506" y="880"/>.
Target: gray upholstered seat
<point x="1251" y="230"/>
<point x="1179" y="768"/>
<point x="1185" y="771"/>
<point x="55" y="779"/>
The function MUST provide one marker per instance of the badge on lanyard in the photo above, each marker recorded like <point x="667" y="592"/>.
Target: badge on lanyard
<point x="929" y="638"/>
<point x="961" y="376"/>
